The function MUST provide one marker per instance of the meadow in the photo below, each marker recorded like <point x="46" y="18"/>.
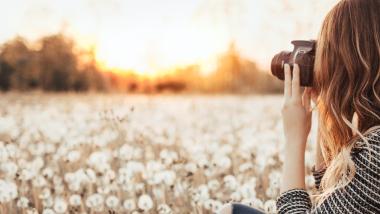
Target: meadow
<point x="102" y="153"/>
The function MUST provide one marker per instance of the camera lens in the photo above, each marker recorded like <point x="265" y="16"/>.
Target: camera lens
<point x="277" y="65"/>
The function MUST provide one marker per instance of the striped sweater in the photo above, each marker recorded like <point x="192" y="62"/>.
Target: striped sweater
<point x="360" y="195"/>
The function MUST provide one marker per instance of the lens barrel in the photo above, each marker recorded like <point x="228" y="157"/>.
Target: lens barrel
<point x="278" y="62"/>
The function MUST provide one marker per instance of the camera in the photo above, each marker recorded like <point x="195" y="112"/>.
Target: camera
<point x="303" y="54"/>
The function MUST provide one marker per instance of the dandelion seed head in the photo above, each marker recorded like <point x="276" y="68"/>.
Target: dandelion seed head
<point x="145" y="202"/>
<point x="94" y="200"/>
<point x="129" y="204"/>
<point x="164" y="209"/>
<point x="75" y="200"/>
<point x="270" y="206"/>
<point x="48" y="211"/>
<point x="22" y="202"/>
<point x="112" y="202"/>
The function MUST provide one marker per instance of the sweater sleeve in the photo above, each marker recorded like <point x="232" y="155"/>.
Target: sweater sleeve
<point x="293" y="201"/>
<point x="360" y="195"/>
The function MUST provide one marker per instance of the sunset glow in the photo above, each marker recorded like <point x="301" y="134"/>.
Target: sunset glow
<point x="150" y="36"/>
<point x="168" y="48"/>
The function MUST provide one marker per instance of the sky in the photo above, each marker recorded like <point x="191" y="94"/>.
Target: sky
<point x="152" y="35"/>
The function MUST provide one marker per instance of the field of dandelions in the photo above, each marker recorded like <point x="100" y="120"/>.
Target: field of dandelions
<point x="70" y="153"/>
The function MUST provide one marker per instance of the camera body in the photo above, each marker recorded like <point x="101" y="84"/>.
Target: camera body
<point x="303" y="54"/>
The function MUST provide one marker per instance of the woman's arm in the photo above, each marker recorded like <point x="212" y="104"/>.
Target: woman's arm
<point x="296" y="114"/>
<point x="293" y="170"/>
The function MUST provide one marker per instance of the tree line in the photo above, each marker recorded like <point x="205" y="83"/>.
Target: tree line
<point x="56" y="63"/>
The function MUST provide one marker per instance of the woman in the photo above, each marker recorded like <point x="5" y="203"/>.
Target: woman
<point x="346" y="86"/>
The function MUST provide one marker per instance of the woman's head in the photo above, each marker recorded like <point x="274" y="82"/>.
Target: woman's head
<point x="347" y="77"/>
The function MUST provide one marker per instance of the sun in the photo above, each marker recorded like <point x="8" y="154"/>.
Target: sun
<point x="161" y="50"/>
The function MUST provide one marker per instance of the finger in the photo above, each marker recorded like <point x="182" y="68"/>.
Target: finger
<point x="296" y="88"/>
<point x="306" y="99"/>
<point x="288" y="82"/>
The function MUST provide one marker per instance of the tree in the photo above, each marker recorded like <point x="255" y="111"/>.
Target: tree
<point x="58" y="63"/>
<point x="19" y="65"/>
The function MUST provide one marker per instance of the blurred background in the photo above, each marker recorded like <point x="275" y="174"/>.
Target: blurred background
<point x="148" y="46"/>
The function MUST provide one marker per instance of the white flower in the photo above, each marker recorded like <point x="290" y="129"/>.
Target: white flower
<point x="26" y="174"/>
<point x="217" y="205"/>
<point x="9" y="168"/>
<point x="48" y="202"/>
<point x="23" y="202"/>
<point x="164" y="209"/>
<point x="139" y="187"/>
<point x="91" y="175"/>
<point x="94" y="200"/>
<point x="270" y="206"/>
<point x="60" y="206"/>
<point x="98" y="158"/>
<point x="39" y="181"/>
<point x="112" y="201"/>
<point x="200" y="194"/>
<point x="3" y="153"/>
<point x="257" y="203"/>
<point x="48" y="173"/>
<point x="222" y="161"/>
<point x="213" y="205"/>
<point x="32" y="211"/>
<point x="126" y="152"/>
<point x="57" y="180"/>
<point x="48" y="211"/>
<point x="191" y="167"/>
<point x="168" y="156"/>
<point x="168" y="177"/>
<point x="245" y="167"/>
<point x="75" y="200"/>
<point x="158" y="193"/>
<point x="59" y="189"/>
<point x="247" y="191"/>
<point x="145" y="202"/>
<point x="230" y="182"/>
<point x="73" y="156"/>
<point x="235" y="196"/>
<point x="129" y="204"/>
<point x="8" y="191"/>
<point x="208" y="204"/>
<point x="45" y="193"/>
<point x="271" y="192"/>
<point x="213" y="184"/>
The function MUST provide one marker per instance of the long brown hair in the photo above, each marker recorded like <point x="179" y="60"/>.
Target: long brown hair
<point x="347" y="78"/>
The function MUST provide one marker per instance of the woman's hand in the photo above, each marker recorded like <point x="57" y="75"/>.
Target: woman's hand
<point x="296" y="111"/>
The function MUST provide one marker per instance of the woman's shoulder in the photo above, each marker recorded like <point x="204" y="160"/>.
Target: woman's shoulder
<point x="366" y="150"/>
<point x="368" y="144"/>
<point x="373" y="135"/>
